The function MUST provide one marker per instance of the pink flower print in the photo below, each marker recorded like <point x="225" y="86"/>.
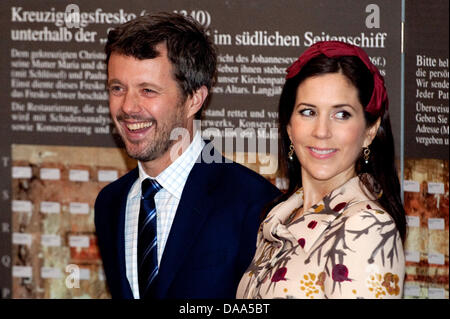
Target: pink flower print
<point x="301" y="242"/>
<point x="279" y="274"/>
<point x="340" y="273"/>
<point x="312" y="224"/>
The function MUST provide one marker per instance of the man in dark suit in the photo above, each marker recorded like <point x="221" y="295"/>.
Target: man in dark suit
<point x="205" y="210"/>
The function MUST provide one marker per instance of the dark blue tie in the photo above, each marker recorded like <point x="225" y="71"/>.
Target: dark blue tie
<point x="147" y="241"/>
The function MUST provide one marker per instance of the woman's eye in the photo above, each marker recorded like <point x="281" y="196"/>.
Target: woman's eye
<point x="342" y="115"/>
<point x="307" y="112"/>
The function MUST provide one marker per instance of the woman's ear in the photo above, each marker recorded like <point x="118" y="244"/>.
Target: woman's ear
<point x="288" y="130"/>
<point x="371" y="132"/>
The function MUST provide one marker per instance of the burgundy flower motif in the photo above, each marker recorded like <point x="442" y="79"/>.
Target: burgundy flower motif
<point x="312" y="224"/>
<point x="339" y="206"/>
<point x="368" y="206"/>
<point x="340" y="273"/>
<point x="279" y="274"/>
<point x="301" y="242"/>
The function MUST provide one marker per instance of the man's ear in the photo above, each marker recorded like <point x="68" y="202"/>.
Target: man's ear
<point x="371" y="132"/>
<point x="195" y="102"/>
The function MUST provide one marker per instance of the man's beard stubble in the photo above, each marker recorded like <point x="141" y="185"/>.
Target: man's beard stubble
<point x="161" y="142"/>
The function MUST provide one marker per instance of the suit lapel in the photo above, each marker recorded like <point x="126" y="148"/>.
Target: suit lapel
<point x="189" y="219"/>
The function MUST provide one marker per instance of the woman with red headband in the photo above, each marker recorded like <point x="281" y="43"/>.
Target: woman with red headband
<point x="338" y="231"/>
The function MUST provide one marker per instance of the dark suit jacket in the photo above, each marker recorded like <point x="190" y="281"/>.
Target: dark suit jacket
<point x="213" y="236"/>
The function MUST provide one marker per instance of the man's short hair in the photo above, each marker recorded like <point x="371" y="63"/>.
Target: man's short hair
<point x="189" y="49"/>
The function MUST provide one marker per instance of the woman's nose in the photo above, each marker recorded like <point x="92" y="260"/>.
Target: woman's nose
<point x="322" y="127"/>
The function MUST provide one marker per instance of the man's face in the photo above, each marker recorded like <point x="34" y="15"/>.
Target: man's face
<point x="146" y="103"/>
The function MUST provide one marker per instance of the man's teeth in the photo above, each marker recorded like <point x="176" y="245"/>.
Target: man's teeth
<point x="139" y="126"/>
<point x="322" y="152"/>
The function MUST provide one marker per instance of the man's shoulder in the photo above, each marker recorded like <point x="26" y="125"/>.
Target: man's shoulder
<point x="245" y="172"/>
<point x="235" y="176"/>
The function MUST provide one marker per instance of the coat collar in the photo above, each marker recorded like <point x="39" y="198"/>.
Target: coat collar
<point x="307" y="229"/>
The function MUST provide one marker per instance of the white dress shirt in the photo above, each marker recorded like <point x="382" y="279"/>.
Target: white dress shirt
<point x="172" y="179"/>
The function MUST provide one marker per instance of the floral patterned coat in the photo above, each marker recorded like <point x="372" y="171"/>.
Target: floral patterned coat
<point x="345" y="246"/>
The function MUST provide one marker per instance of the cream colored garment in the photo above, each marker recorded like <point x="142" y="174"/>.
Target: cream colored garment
<point x="345" y="246"/>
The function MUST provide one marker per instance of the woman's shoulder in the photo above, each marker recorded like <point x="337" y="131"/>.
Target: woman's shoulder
<point x="366" y="212"/>
<point x="368" y="225"/>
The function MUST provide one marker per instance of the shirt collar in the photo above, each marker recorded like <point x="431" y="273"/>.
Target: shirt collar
<point x="317" y="218"/>
<point x="174" y="177"/>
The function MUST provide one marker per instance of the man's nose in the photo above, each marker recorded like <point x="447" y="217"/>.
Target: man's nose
<point x="130" y="104"/>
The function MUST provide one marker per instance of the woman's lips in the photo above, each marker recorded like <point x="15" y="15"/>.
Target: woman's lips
<point x="322" y="153"/>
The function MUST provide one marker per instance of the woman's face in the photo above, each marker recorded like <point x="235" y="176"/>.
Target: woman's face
<point x="328" y="129"/>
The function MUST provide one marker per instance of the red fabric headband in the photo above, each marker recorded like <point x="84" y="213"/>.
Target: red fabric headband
<point x="333" y="49"/>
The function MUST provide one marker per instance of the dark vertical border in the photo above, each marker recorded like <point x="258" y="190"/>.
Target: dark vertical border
<point x="5" y="159"/>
